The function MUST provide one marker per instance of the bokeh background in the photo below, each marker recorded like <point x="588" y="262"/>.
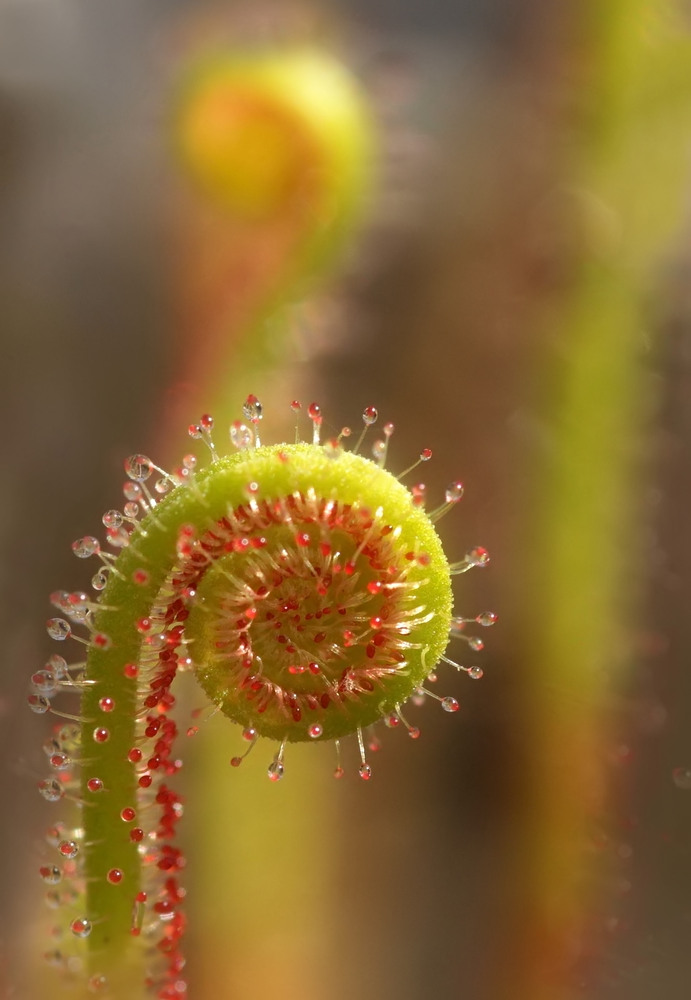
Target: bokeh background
<point x="516" y="296"/>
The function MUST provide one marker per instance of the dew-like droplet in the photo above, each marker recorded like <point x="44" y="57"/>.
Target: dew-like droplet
<point x="70" y="737"/>
<point x="449" y="704"/>
<point x="369" y="416"/>
<point x="133" y="492"/>
<point x="379" y="450"/>
<point x="275" y="770"/>
<point x="682" y="778"/>
<point x="425" y="454"/>
<point x="81" y="927"/>
<point x="51" y="789"/>
<point x="58" y="629"/>
<point x="97" y="984"/>
<point x="127" y="814"/>
<point x="114" y="876"/>
<point x="50" y="874"/>
<point x="476" y="644"/>
<point x="60" y="761"/>
<point x="68" y="848"/>
<point x="138" y="468"/>
<point x="315" y="730"/>
<point x="365" y="772"/>
<point x="252" y="408"/>
<point x="94" y="785"/>
<point x="57" y="665"/>
<point x="479" y="556"/>
<point x="101" y="734"/>
<point x="414" y="733"/>
<point x="475" y="672"/>
<point x="163" y="485"/>
<point x="249" y="734"/>
<point x="99" y="580"/>
<point x="236" y="762"/>
<point x="60" y="599"/>
<point x="112" y="519"/>
<point x="453" y="492"/>
<point x="487" y="618"/>
<point x="44" y="682"/>
<point x="38" y="703"/>
<point x="86" y="546"/>
<point x="106" y="704"/>
<point x="241" y="436"/>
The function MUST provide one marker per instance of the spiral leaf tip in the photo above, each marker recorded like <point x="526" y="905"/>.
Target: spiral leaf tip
<point x="307" y="589"/>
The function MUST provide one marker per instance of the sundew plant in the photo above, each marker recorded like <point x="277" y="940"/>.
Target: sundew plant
<point x="306" y="588"/>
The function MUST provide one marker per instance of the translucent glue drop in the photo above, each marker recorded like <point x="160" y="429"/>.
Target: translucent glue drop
<point x="365" y="772"/>
<point x="453" y="492"/>
<point x="58" y="628"/>
<point x="475" y="672"/>
<point x="369" y="415"/>
<point x="133" y="492"/>
<point x="449" y="704"/>
<point x="44" y="682"/>
<point x="138" y="468"/>
<point x="57" y="665"/>
<point x="68" y="848"/>
<point x="379" y="450"/>
<point x="51" y="789"/>
<point x="275" y="770"/>
<point x="479" y="556"/>
<point x="249" y="734"/>
<point x="81" y="927"/>
<point x="682" y="778"/>
<point x="476" y="644"/>
<point x="241" y="436"/>
<point x="86" y="546"/>
<point x="70" y="737"/>
<point x="315" y="730"/>
<point x="252" y="408"/>
<point x="99" y="580"/>
<point x="38" y="703"/>
<point x="60" y="761"/>
<point x="486" y="618"/>
<point x="50" y="874"/>
<point x="112" y="519"/>
<point x="163" y="485"/>
<point x="60" y="599"/>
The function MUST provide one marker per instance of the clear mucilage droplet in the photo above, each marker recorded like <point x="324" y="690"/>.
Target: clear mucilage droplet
<point x="275" y="770"/>
<point x="252" y="409"/>
<point x="81" y="927"/>
<point x="58" y="628"/>
<point x="241" y="436"/>
<point x="138" y="468"/>
<point x="86" y="546"/>
<point x="51" y="789"/>
<point x="453" y="492"/>
<point x="682" y="778"/>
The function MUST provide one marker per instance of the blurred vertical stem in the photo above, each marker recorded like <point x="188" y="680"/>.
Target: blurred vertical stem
<point x="279" y="146"/>
<point x="626" y="178"/>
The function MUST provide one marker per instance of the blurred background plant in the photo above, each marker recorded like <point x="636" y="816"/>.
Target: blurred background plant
<point x="516" y="298"/>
